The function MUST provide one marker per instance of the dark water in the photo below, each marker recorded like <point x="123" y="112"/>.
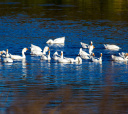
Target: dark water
<point x="26" y="22"/>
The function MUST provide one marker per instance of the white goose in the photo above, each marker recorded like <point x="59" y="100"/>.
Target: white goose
<point x="94" y="59"/>
<point x="56" y="41"/>
<point x="83" y="54"/>
<point x="122" y="57"/>
<point x="84" y="45"/>
<point x="46" y="57"/>
<point x="122" y="54"/>
<point x="34" y="47"/>
<point x="7" y="60"/>
<point x="111" y="47"/>
<point x="37" y="51"/>
<point x="64" y="59"/>
<point x="6" y="57"/>
<point x="91" y="47"/>
<point x="5" y="53"/>
<point x="78" y="60"/>
<point x="18" y="57"/>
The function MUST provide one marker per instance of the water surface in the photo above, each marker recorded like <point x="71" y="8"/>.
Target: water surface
<point x="23" y="23"/>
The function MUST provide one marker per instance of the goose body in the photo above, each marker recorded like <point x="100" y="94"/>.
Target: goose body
<point x="18" y="57"/>
<point x="111" y="47"/>
<point x="37" y="51"/>
<point x="7" y="60"/>
<point x="56" y="41"/>
<point x="78" y="60"/>
<point x="34" y="47"/>
<point x="64" y="59"/>
<point x="90" y="47"/>
<point x="123" y="57"/>
<point x="46" y="57"/>
<point x="56" y="56"/>
<point x="83" y="54"/>
<point x="6" y="57"/>
<point x="94" y="59"/>
<point x="84" y="45"/>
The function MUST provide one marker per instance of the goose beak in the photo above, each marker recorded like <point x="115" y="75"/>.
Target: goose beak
<point x="1" y="52"/>
<point x="61" y="53"/>
<point x="101" y="54"/>
<point x="93" y="47"/>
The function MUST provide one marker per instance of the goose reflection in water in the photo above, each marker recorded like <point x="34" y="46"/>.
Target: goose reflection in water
<point x="24" y="70"/>
<point x="95" y="71"/>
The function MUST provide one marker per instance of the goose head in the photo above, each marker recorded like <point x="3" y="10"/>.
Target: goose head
<point x="49" y="52"/>
<point x="24" y="49"/>
<point x="126" y="55"/>
<point x="101" y="55"/>
<point x="6" y="51"/>
<point x="91" y="43"/>
<point x="61" y="54"/>
<point x="46" y="48"/>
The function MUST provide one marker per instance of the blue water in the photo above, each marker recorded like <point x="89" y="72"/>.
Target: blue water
<point x="21" y="29"/>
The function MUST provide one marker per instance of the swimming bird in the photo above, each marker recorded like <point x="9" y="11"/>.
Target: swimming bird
<point x="84" y="45"/>
<point x="46" y="57"/>
<point x="7" y="60"/>
<point x="91" y="47"/>
<point x="60" y="40"/>
<point x="83" y="54"/>
<point x="5" y="53"/>
<point x="122" y="54"/>
<point x="111" y="47"/>
<point x="37" y="51"/>
<point x="6" y="57"/>
<point x="121" y="57"/>
<point x="65" y="59"/>
<point x="94" y="59"/>
<point x="18" y="57"/>
<point x="78" y="60"/>
<point x="34" y="47"/>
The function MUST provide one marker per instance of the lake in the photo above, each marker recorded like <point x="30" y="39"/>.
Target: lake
<point x="39" y="86"/>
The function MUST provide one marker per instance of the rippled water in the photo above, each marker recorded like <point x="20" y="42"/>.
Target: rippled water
<point x="23" y="24"/>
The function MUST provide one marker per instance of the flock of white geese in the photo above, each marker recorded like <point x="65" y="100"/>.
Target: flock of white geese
<point x="37" y="51"/>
